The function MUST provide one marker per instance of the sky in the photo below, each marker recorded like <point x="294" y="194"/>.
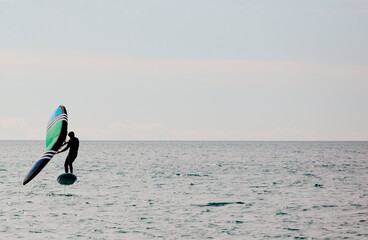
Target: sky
<point x="249" y="70"/>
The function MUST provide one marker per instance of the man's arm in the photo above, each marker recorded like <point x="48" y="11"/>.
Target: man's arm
<point x="66" y="148"/>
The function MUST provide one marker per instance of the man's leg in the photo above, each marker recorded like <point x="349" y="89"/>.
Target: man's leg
<point x="71" y="160"/>
<point x="66" y="164"/>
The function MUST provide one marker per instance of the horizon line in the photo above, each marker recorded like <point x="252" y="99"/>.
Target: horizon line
<point x="114" y="140"/>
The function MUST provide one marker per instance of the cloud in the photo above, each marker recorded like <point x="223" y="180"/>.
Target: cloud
<point x="348" y="7"/>
<point x="363" y="10"/>
<point x="18" y="128"/>
<point x="157" y="131"/>
<point x="125" y="131"/>
<point x="351" y="1"/>
<point x="290" y="133"/>
<point x="74" y="66"/>
<point x="223" y="92"/>
<point x="12" y="128"/>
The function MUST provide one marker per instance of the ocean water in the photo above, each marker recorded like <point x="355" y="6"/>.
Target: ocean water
<point x="188" y="190"/>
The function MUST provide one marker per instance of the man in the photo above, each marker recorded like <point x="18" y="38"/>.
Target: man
<point x="73" y="144"/>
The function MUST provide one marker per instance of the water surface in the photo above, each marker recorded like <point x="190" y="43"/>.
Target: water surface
<point x="188" y="190"/>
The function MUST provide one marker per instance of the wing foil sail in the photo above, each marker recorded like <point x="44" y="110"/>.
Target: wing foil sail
<point x="56" y="131"/>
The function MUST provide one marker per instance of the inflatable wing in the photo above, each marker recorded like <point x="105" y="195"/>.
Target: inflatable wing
<point x="56" y="131"/>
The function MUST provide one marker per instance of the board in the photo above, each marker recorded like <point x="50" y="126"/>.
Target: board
<point x="56" y="131"/>
<point x="67" y="179"/>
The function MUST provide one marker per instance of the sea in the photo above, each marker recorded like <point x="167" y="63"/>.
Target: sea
<point x="188" y="190"/>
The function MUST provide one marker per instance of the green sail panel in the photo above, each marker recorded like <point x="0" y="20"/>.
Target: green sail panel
<point x="53" y="135"/>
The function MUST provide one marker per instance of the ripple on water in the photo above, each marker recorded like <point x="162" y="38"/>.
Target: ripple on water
<point x="219" y="204"/>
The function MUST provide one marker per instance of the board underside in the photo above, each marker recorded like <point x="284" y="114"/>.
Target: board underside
<point x="67" y="179"/>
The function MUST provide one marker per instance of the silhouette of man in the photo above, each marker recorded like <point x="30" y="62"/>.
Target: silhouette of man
<point x="73" y="144"/>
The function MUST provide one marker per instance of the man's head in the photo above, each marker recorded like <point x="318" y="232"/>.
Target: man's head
<point x="71" y="134"/>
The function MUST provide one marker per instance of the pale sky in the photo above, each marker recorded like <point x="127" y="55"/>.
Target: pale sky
<point x="186" y="70"/>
